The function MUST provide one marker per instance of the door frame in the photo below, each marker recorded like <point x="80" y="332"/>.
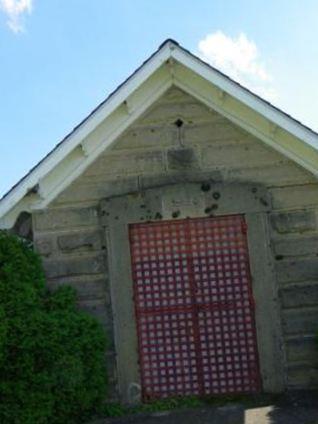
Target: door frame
<point x="192" y="200"/>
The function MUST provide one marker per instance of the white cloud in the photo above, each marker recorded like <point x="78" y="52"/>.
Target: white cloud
<point x="15" y="11"/>
<point x="239" y="58"/>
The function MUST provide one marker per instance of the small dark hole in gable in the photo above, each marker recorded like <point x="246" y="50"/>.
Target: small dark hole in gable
<point x="178" y="123"/>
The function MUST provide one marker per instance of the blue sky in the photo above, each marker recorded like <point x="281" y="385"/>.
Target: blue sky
<point x="59" y="59"/>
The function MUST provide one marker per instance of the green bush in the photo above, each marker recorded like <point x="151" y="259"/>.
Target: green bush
<point x="52" y="356"/>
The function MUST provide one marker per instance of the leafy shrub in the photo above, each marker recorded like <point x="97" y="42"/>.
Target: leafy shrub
<point x="52" y="356"/>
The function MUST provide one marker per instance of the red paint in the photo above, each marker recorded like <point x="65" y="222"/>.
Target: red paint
<point x="194" y="307"/>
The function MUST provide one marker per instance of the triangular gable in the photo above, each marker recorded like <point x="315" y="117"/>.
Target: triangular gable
<point x="170" y="65"/>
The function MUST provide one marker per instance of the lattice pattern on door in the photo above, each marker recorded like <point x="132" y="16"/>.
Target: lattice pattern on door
<point x="194" y="307"/>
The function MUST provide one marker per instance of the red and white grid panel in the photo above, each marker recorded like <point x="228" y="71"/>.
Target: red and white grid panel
<point x="194" y="307"/>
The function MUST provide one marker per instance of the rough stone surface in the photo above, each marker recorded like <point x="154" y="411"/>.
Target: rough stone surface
<point x="297" y="269"/>
<point x="299" y="295"/>
<point x="54" y="219"/>
<point x="297" y="246"/>
<point x="198" y="176"/>
<point x="80" y="242"/>
<point x="68" y="234"/>
<point x="294" y="221"/>
<point x="302" y="375"/>
<point x="296" y="197"/>
<point x="129" y="163"/>
<point x="301" y="348"/>
<point x="98" y="309"/>
<point x="44" y="246"/>
<point x="87" y="288"/>
<point x="180" y="159"/>
<point x="299" y="320"/>
<point x="75" y="266"/>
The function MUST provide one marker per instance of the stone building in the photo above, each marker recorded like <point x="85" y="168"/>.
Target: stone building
<point x="184" y="211"/>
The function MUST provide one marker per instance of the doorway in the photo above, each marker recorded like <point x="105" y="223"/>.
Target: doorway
<point x="194" y="307"/>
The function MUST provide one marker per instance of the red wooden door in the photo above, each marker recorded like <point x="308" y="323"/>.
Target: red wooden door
<point x="194" y="307"/>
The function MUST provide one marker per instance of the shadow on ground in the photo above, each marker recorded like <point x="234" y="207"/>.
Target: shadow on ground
<point x="291" y="408"/>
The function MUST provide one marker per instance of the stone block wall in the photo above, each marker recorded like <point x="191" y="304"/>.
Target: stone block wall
<point x="207" y="148"/>
<point x="295" y="249"/>
<point x="73" y="249"/>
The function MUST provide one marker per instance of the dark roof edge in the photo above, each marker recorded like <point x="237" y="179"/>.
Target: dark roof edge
<point x="167" y="41"/>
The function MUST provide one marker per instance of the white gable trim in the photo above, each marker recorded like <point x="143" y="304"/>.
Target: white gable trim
<point x="245" y="96"/>
<point x="77" y="136"/>
<point x="95" y="149"/>
<point x="249" y="119"/>
<point x="170" y="65"/>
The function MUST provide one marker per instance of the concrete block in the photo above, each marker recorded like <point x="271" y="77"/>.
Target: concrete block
<point x="44" y="246"/>
<point x="194" y="176"/>
<point x="87" y="288"/>
<point x="300" y="321"/>
<point x="302" y="376"/>
<point x="301" y="348"/>
<point x="93" y="188"/>
<point x="147" y="136"/>
<point x="80" y="242"/>
<point x="75" y="266"/>
<point x="293" y="197"/>
<point x="128" y="163"/>
<point x="270" y="175"/>
<point x="299" y="295"/>
<point x="297" y="246"/>
<point x="100" y="311"/>
<point x="111" y="365"/>
<point x="180" y="159"/>
<point x="297" y="269"/>
<point x="239" y="156"/>
<point x="291" y="222"/>
<point x="213" y="131"/>
<point x="186" y="200"/>
<point x="53" y="219"/>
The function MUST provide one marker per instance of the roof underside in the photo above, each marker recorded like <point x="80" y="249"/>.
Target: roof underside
<point x="170" y="65"/>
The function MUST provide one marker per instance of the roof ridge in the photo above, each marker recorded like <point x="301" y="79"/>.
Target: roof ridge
<point x="167" y="41"/>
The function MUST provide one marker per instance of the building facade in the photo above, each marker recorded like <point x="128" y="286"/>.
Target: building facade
<point x="185" y="216"/>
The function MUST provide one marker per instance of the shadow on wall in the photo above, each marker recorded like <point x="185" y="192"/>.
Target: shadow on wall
<point x="23" y="226"/>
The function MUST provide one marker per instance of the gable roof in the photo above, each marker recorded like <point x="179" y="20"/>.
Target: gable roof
<point x="170" y="65"/>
